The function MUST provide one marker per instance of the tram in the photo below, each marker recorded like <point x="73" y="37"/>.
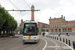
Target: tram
<point x="30" y="32"/>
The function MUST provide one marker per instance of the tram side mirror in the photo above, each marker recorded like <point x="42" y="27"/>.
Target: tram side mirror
<point x="37" y="29"/>
<point x="23" y="30"/>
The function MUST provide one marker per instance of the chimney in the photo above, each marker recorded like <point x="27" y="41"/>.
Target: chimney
<point x="62" y="16"/>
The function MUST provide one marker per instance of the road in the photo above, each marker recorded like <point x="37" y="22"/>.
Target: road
<point x="44" y="43"/>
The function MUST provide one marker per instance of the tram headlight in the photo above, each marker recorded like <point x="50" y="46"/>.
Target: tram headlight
<point x="34" y="37"/>
<point x="24" y="37"/>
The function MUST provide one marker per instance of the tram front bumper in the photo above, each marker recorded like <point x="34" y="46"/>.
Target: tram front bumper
<point x="30" y="40"/>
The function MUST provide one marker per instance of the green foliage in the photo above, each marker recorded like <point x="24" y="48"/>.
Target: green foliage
<point x="6" y="20"/>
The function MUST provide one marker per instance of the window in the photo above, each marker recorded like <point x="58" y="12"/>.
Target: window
<point x="62" y="25"/>
<point x="30" y="28"/>
<point x="69" y="29"/>
<point x="59" y="20"/>
<point x="47" y="30"/>
<point x="65" y="25"/>
<point x="55" y="25"/>
<point x="73" y="24"/>
<point x="59" y="30"/>
<point x="70" y="24"/>
<point x="59" y="25"/>
<point x="51" y="30"/>
<point x="64" y="30"/>
<point x="55" y="21"/>
<point x="55" y="30"/>
<point x="45" y="26"/>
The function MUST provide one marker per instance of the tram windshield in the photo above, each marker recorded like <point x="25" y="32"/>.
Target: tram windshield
<point x="30" y="29"/>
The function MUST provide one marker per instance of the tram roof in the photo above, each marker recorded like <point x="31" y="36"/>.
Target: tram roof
<point x="30" y="21"/>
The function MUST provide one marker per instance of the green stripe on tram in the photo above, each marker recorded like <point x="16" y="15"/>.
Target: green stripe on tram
<point x="26" y="25"/>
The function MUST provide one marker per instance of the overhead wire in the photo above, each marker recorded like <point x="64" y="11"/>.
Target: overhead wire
<point x="26" y="3"/>
<point x="16" y="7"/>
<point x="13" y="4"/>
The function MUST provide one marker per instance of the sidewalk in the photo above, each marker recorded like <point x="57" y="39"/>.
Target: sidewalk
<point x="16" y="36"/>
<point x="71" y="38"/>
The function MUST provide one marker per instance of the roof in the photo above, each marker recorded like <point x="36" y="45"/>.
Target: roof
<point x="29" y="21"/>
<point x="57" y="18"/>
<point x="43" y="23"/>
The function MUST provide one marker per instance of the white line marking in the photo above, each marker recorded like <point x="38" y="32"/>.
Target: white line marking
<point x="53" y="42"/>
<point x="53" y="46"/>
<point x="45" y="44"/>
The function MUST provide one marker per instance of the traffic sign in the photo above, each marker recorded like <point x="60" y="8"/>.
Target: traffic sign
<point x="41" y="29"/>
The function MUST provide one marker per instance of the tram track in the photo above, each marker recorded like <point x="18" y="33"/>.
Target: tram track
<point x="5" y="40"/>
<point x="13" y="44"/>
<point x="27" y="46"/>
<point x="9" y="42"/>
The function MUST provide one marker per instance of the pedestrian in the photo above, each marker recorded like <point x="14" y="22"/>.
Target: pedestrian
<point x="41" y="34"/>
<point x="67" y="34"/>
<point x="45" y="34"/>
<point x="18" y="32"/>
<point x="2" y="33"/>
<point x="59" y="34"/>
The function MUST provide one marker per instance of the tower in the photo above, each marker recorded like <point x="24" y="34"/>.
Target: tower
<point x="32" y="13"/>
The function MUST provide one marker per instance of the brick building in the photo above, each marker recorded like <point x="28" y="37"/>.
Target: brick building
<point x="43" y="26"/>
<point x="22" y="23"/>
<point x="61" y="25"/>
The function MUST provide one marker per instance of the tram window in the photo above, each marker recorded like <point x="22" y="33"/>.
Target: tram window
<point x="30" y="29"/>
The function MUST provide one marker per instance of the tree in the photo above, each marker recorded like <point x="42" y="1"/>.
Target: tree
<point x="6" y="20"/>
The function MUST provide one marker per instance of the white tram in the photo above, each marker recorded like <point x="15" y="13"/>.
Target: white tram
<point x="30" y="32"/>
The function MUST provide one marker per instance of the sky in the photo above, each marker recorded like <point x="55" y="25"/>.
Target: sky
<point x="48" y="8"/>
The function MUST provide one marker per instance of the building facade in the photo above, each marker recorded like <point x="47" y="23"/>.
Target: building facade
<point x="61" y="25"/>
<point x="43" y="27"/>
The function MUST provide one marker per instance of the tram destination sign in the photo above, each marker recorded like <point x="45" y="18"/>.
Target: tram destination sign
<point x="27" y="25"/>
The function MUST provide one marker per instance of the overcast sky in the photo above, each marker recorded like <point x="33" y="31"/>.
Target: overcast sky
<point x="53" y="8"/>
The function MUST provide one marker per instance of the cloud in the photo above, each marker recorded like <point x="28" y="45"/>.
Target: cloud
<point x="53" y="8"/>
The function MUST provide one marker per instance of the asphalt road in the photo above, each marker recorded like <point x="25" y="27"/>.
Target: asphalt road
<point x="44" y="43"/>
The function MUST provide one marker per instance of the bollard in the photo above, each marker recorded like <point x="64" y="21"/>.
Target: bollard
<point x="63" y="40"/>
<point x="69" y="43"/>
<point x="53" y="37"/>
<point x="73" y="44"/>
<point x="60" y="38"/>
<point x="66" y="41"/>
<point x="57" y="38"/>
